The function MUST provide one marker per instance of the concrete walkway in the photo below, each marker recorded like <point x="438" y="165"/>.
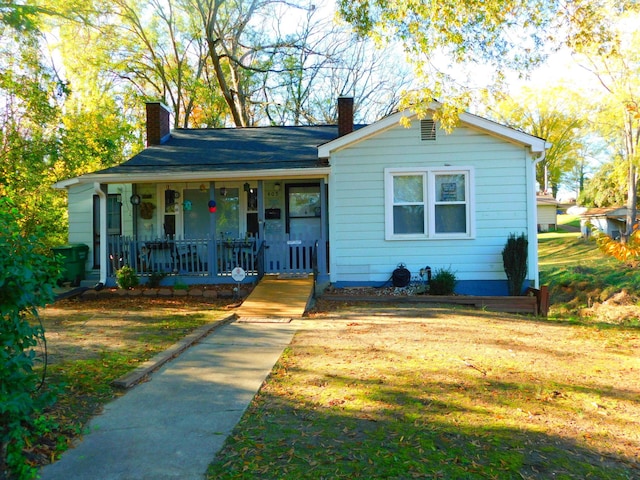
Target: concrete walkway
<point x="172" y="426"/>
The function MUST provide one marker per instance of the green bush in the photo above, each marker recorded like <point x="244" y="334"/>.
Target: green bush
<point x="28" y="274"/>
<point x="514" y="258"/>
<point x="180" y="286"/>
<point x="126" y="278"/>
<point x="443" y="282"/>
<point x="155" y="278"/>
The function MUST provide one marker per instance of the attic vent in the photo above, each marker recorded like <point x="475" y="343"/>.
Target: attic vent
<point x="428" y="130"/>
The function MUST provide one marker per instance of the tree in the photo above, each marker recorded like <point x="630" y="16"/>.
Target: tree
<point x="616" y="65"/>
<point x="556" y="114"/>
<point x="322" y="62"/>
<point x="607" y="187"/>
<point x="29" y="121"/>
<point x="481" y="39"/>
<point x="225" y="27"/>
<point x="27" y="276"/>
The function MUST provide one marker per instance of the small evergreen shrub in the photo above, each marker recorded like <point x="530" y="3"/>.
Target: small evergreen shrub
<point x="180" y="286"/>
<point x="443" y="282"/>
<point x="514" y="258"/>
<point x="155" y="278"/>
<point x="126" y="278"/>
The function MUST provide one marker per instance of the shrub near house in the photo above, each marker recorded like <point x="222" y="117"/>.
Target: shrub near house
<point x="27" y="278"/>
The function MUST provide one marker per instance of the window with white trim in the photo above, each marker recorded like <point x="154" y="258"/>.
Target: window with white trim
<point x="428" y="203"/>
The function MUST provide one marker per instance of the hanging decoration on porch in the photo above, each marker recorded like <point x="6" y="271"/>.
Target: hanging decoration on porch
<point x="187" y="205"/>
<point x="212" y="206"/>
<point x="146" y="210"/>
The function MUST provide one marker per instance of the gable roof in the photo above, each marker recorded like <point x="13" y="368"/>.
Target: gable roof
<point x="546" y="200"/>
<point x="197" y="153"/>
<point x="616" y="213"/>
<point x="535" y="144"/>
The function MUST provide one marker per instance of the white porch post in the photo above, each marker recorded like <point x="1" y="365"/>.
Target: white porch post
<point x="104" y="251"/>
<point x="212" y="251"/>
<point x="324" y="237"/>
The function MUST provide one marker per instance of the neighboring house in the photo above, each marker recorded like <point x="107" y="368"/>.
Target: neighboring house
<point x="609" y="220"/>
<point x="350" y="204"/>
<point x="547" y="213"/>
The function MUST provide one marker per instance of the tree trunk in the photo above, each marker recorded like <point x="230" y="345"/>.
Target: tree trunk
<point x="631" y="202"/>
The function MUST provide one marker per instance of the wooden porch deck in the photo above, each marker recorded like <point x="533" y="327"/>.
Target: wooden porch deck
<point x="277" y="298"/>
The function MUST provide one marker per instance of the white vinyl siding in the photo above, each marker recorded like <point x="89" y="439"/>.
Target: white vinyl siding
<point x="497" y="196"/>
<point x="80" y="200"/>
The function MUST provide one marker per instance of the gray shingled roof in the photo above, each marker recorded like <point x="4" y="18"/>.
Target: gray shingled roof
<point x="231" y="149"/>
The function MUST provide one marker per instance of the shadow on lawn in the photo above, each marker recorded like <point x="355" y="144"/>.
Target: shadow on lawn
<point x="406" y="406"/>
<point x="284" y="439"/>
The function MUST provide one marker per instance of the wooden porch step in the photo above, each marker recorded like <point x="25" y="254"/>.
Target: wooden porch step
<point x="274" y="299"/>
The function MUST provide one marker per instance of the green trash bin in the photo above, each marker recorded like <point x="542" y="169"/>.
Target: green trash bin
<point x="74" y="261"/>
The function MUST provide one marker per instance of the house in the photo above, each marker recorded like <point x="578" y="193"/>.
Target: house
<point x="609" y="220"/>
<point x="547" y="212"/>
<point x="349" y="203"/>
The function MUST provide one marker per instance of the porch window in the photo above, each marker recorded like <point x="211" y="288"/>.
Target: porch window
<point x="428" y="203"/>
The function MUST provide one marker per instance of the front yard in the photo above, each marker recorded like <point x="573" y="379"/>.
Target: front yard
<point x="410" y="392"/>
<point x="396" y="391"/>
<point x="91" y="343"/>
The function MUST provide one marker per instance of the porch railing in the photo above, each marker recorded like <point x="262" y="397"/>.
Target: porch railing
<point x="290" y="256"/>
<point x="244" y="253"/>
<point x="186" y="257"/>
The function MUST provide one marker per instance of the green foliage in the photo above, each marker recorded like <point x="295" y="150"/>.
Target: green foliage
<point x="514" y="259"/>
<point x="556" y="114"/>
<point x="579" y="274"/>
<point x="28" y="143"/>
<point x="180" y="286"/>
<point x="443" y="282"/>
<point x="27" y="276"/>
<point x="126" y="277"/>
<point x="607" y="187"/>
<point x="155" y="278"/>
<point x="505" y="35"/>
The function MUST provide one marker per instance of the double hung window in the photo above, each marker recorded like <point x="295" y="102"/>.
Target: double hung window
<point x="428" y="203"/>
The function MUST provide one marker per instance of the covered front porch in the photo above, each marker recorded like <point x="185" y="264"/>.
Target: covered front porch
<point x="212" y="261"/>
<point x="199" y="232"/>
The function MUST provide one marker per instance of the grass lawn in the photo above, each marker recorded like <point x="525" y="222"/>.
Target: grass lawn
<point x="584" y="283"/>
<point x="390" y="391"/>
<point x="91" y="343"/>
<point x="410" y="392"/>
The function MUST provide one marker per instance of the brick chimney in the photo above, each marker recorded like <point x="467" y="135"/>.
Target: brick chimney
<point x="345" y="115"/>
<point x="157" y="123"/>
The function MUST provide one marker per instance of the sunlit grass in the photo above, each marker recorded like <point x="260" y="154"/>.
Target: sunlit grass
<point x="445" y="394"/>
<point x="578" y="274"/>
<point x="92" y="343"/>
